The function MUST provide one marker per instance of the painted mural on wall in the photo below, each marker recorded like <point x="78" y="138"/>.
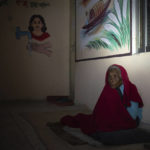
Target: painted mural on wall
<point x="33" y="3"/>
<point x="38" y="38"/>
<point x="103" y="28"/>
<point x="27" y="3"/>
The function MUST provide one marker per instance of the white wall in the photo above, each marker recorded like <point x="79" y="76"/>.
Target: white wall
<point x="33" y="75"/>
<point x="90" y="76"/>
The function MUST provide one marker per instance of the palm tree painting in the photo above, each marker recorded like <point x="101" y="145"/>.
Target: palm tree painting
<point x="102" y="28"/>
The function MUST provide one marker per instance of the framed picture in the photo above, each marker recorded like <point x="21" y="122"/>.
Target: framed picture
<point x="103" y="29"/>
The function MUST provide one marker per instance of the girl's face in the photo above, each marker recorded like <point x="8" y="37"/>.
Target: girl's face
<point x="114" y="79"/>
<point x="37" y="24"/>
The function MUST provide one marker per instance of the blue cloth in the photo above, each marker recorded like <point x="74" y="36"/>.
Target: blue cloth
<point x="134" y="109"/>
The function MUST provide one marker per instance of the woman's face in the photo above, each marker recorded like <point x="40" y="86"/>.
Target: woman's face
<point x="114" y="79"/>
<point x="37" y="24"/>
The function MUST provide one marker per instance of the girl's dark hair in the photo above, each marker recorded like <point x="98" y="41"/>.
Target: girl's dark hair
<point x="44" y="28"/>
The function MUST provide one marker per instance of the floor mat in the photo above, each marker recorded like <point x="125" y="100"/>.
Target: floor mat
<point x="57" y="128"/>
<point x="123" y="137"/>
<point x="73" y="136"/>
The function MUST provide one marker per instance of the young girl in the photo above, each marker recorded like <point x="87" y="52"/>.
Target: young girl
<point x="119" y="106"/>
<point x="40" y="38"/>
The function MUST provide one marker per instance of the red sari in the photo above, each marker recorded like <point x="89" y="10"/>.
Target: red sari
<point x="110" y="112"/>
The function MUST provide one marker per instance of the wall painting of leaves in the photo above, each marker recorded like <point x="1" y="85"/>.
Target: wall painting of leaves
<point x="103" y="29"/>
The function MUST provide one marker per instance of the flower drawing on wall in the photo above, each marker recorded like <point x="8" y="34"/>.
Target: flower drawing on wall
<point x="38" y="38"/>
<point x="116" y="32"/>
<point x="102" y="28"/>
<point x="96" y="15"/>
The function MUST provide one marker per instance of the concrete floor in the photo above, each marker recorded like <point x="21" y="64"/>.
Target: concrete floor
<point x="38" y="113"/>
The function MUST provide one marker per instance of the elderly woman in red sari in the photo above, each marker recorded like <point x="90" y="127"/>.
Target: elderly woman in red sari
<point x="119" y="106"/>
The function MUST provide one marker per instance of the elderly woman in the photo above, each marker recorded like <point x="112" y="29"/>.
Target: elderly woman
<point x="119" y="106"/>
